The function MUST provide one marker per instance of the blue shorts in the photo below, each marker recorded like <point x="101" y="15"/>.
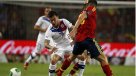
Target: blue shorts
<point x="88" y="44"/>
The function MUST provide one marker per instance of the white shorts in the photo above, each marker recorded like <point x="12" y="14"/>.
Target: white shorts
<point x="39" y="47"/>
<point x="61" y="51"/>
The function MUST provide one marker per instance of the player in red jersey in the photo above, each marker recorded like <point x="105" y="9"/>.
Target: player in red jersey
<point x="84" y="33"/>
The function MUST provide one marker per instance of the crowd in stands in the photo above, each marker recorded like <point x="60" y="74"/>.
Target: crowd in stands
<point x="116" y="25"/>
<point x="11" y="24"/>
<point x="113" y="25"/>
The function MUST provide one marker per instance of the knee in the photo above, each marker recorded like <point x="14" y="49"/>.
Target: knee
<point x="103" y="60"/>
<point x="72" y="57"/>
<point x="53" y="62"/>
<point x="82" y="58"/>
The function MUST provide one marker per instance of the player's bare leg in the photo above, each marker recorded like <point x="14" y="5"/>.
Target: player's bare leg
<point x="80" y="65"/>
<point x="104" y="64"/>
<point x="32" y="56"/>
<point x="52" y="67"/>
<point x="66" y="64"/>
<point x="87" y="59"/>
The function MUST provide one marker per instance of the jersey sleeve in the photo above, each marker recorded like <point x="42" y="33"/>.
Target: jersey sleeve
<point x="90" y="11"/>
<point x="48" y="34"/>
<point x="39" y="22"/>
<point x="67" y="23"/>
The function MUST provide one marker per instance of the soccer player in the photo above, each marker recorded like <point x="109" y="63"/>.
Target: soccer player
<point x="41" y="25"/>
<point x="84" y="33"/>
<point x="58" y="32"/>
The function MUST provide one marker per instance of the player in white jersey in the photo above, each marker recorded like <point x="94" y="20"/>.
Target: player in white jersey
<point x="58" y="32"/>
<point x="41" y="25"/>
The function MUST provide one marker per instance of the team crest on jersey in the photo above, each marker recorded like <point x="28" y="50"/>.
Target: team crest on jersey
<point x="62" y="26"/>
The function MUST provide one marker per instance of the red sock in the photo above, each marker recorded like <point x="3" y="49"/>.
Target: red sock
<point x="65" y="64"/>
<point x="107" y="70"/>
<point x="75" y="68"/>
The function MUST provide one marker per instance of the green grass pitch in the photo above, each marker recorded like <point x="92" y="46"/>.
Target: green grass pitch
<point x="42" y="70"/>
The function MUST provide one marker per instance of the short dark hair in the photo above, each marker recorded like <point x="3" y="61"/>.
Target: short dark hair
<point x="90" y="2"/>
<point x="94" y="2"/>
<point x="52" y="13"/>
<point x="48" y="7"/>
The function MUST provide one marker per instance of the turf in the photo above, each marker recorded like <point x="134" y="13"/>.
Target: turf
<point x="42" y="70"/>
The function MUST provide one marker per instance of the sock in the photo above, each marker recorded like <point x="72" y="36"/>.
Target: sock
<point x="81" y="66"/>
<point x="65" y="64"/>
<point x="107" y="70"/>
<point x="32" y="56"/>
<point x="75" y="68"/>
<point x="52" y="70"/>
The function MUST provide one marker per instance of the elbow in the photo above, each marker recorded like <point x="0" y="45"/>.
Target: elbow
<point x="46" y="45"/>
<point x="35" y="27"/>
<point x="82" y="16"/>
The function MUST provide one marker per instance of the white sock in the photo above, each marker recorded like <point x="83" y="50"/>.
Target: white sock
<point x="81" y="67"/>
<point x="52" y="69"/>
<point x="32" y="56"/>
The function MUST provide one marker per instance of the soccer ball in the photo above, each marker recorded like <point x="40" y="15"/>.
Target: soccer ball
<point x="15" y="72"/>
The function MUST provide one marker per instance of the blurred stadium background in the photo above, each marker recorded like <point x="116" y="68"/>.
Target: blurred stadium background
<point x="115" y="32"/>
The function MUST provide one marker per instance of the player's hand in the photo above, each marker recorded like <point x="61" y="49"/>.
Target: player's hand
<point x="72" y="43"/>
<point x="72" y="34"/>
<point x="53" y="50"/>
<point x="43" y="30"/>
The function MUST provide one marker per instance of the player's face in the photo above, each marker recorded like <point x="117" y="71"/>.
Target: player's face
<point x="55" y="21"/>
<point x="47" y="10"/>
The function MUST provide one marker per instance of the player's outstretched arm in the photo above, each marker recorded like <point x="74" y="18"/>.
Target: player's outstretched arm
<point x="77" y="24"/>
<point x="48" y="46"/>
<point x="80" y="19"/>
<point x="38" y="28"/>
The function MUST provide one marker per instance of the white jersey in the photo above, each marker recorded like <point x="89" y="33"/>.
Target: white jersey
<point x="43" y="22"/>
<point x="59" y="35"/>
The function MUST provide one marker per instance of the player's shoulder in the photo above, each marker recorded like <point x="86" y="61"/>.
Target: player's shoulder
<point x="44" y="18"/>
<point x="64" y="20"/>
<point x="41" y="17"/>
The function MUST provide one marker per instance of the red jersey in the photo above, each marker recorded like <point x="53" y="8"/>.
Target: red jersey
<point x="88" y="26"/>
